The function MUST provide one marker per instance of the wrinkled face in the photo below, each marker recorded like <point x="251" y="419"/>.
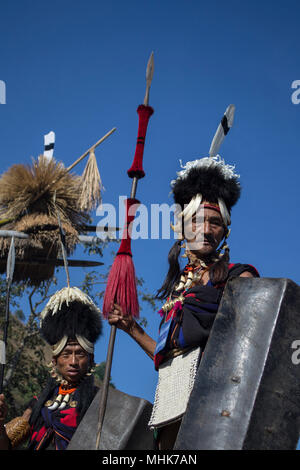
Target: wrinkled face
<point x="205" y="232"/>
<point x="73" y="363"/>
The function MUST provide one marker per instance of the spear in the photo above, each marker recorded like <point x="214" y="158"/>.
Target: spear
<point x="9" y="277"/>
<point x="121" y="284"/>
<point x="57" y="262"/>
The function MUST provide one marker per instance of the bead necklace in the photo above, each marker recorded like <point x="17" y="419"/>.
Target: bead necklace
<point x="194" y="275"/>
<point x="191" y="275"/>
<point x="169" y="304"/>
<point x="61" y="400"/>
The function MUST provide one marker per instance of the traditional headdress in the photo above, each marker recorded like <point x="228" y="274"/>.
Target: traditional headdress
<point x="208" y="179"/>
<point x="70" y="314"/>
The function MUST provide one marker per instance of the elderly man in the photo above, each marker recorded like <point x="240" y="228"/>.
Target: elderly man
<point x="205" y="191"/>
<point x="71" y="324"/>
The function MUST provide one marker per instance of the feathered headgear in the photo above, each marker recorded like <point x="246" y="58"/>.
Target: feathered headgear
<point x="209" y="178"/>
<point x="70" y="314"/>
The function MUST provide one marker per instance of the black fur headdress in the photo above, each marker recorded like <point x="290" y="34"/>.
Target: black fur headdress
<point x="211" y="178"/>
<point x="70" y="314"/>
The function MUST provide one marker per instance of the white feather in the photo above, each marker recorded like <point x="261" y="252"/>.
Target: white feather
<point x="219" y="135"/>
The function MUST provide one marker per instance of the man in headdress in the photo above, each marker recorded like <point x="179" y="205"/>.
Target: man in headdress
<point x="205" y="191"/>
<point x="71" y="324"/>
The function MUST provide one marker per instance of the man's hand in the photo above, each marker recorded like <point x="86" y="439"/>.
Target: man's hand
<point x="128" y="324"/>
<point x="123" y="322"/>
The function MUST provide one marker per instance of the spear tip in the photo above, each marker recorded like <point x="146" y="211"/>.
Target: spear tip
<point x="150" y="68"/>
<point x="149" y="76"/>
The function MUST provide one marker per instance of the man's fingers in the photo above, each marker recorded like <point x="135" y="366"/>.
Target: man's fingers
<point x="113" y="318"/>
<point x="118" y="308"/>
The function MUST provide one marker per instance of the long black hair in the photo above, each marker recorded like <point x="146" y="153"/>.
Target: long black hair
<point x="218" y="271"/>
<point x="173" y="272"/>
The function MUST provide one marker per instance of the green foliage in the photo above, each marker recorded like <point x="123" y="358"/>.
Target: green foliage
<point x="25" y="372"/>
<point x="99" y="373"/>
<point x="97" y="247"/>
<point x="20" y="314"/>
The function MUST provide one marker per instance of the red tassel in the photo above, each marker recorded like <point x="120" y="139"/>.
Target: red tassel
<point x="121" y="287"/>
<point x="136" y="169"/>
<point x="121" y="283"/>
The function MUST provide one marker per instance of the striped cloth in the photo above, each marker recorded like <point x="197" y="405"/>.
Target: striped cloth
<point x="192" y="319"/>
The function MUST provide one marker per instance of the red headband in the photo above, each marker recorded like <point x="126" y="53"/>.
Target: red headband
<point x="212" y="205"/>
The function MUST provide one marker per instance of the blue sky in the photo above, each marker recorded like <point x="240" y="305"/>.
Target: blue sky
<point x="78" y="68"/>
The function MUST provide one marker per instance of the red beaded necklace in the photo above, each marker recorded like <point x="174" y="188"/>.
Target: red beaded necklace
<point x="62" y="391"/>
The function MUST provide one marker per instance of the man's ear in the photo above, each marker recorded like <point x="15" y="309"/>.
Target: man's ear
<point x="54" y="361"/>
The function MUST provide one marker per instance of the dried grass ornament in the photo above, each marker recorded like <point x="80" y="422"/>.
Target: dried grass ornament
<point x="27" y="202"/>
<point x="91" y="185"/>
<point x="29" y="189"/>
<point x="44" y="245"/>
<point x="32" y="200"/>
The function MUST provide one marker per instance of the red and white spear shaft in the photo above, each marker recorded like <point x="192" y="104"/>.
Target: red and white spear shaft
<point x="121" y="283"/>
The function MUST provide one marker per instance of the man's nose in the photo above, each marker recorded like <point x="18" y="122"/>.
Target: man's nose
<point x="207" y="228"/>
<point x="73" y="360"/>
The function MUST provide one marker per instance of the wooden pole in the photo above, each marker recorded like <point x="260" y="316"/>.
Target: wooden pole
<point x="91" y="148"/>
